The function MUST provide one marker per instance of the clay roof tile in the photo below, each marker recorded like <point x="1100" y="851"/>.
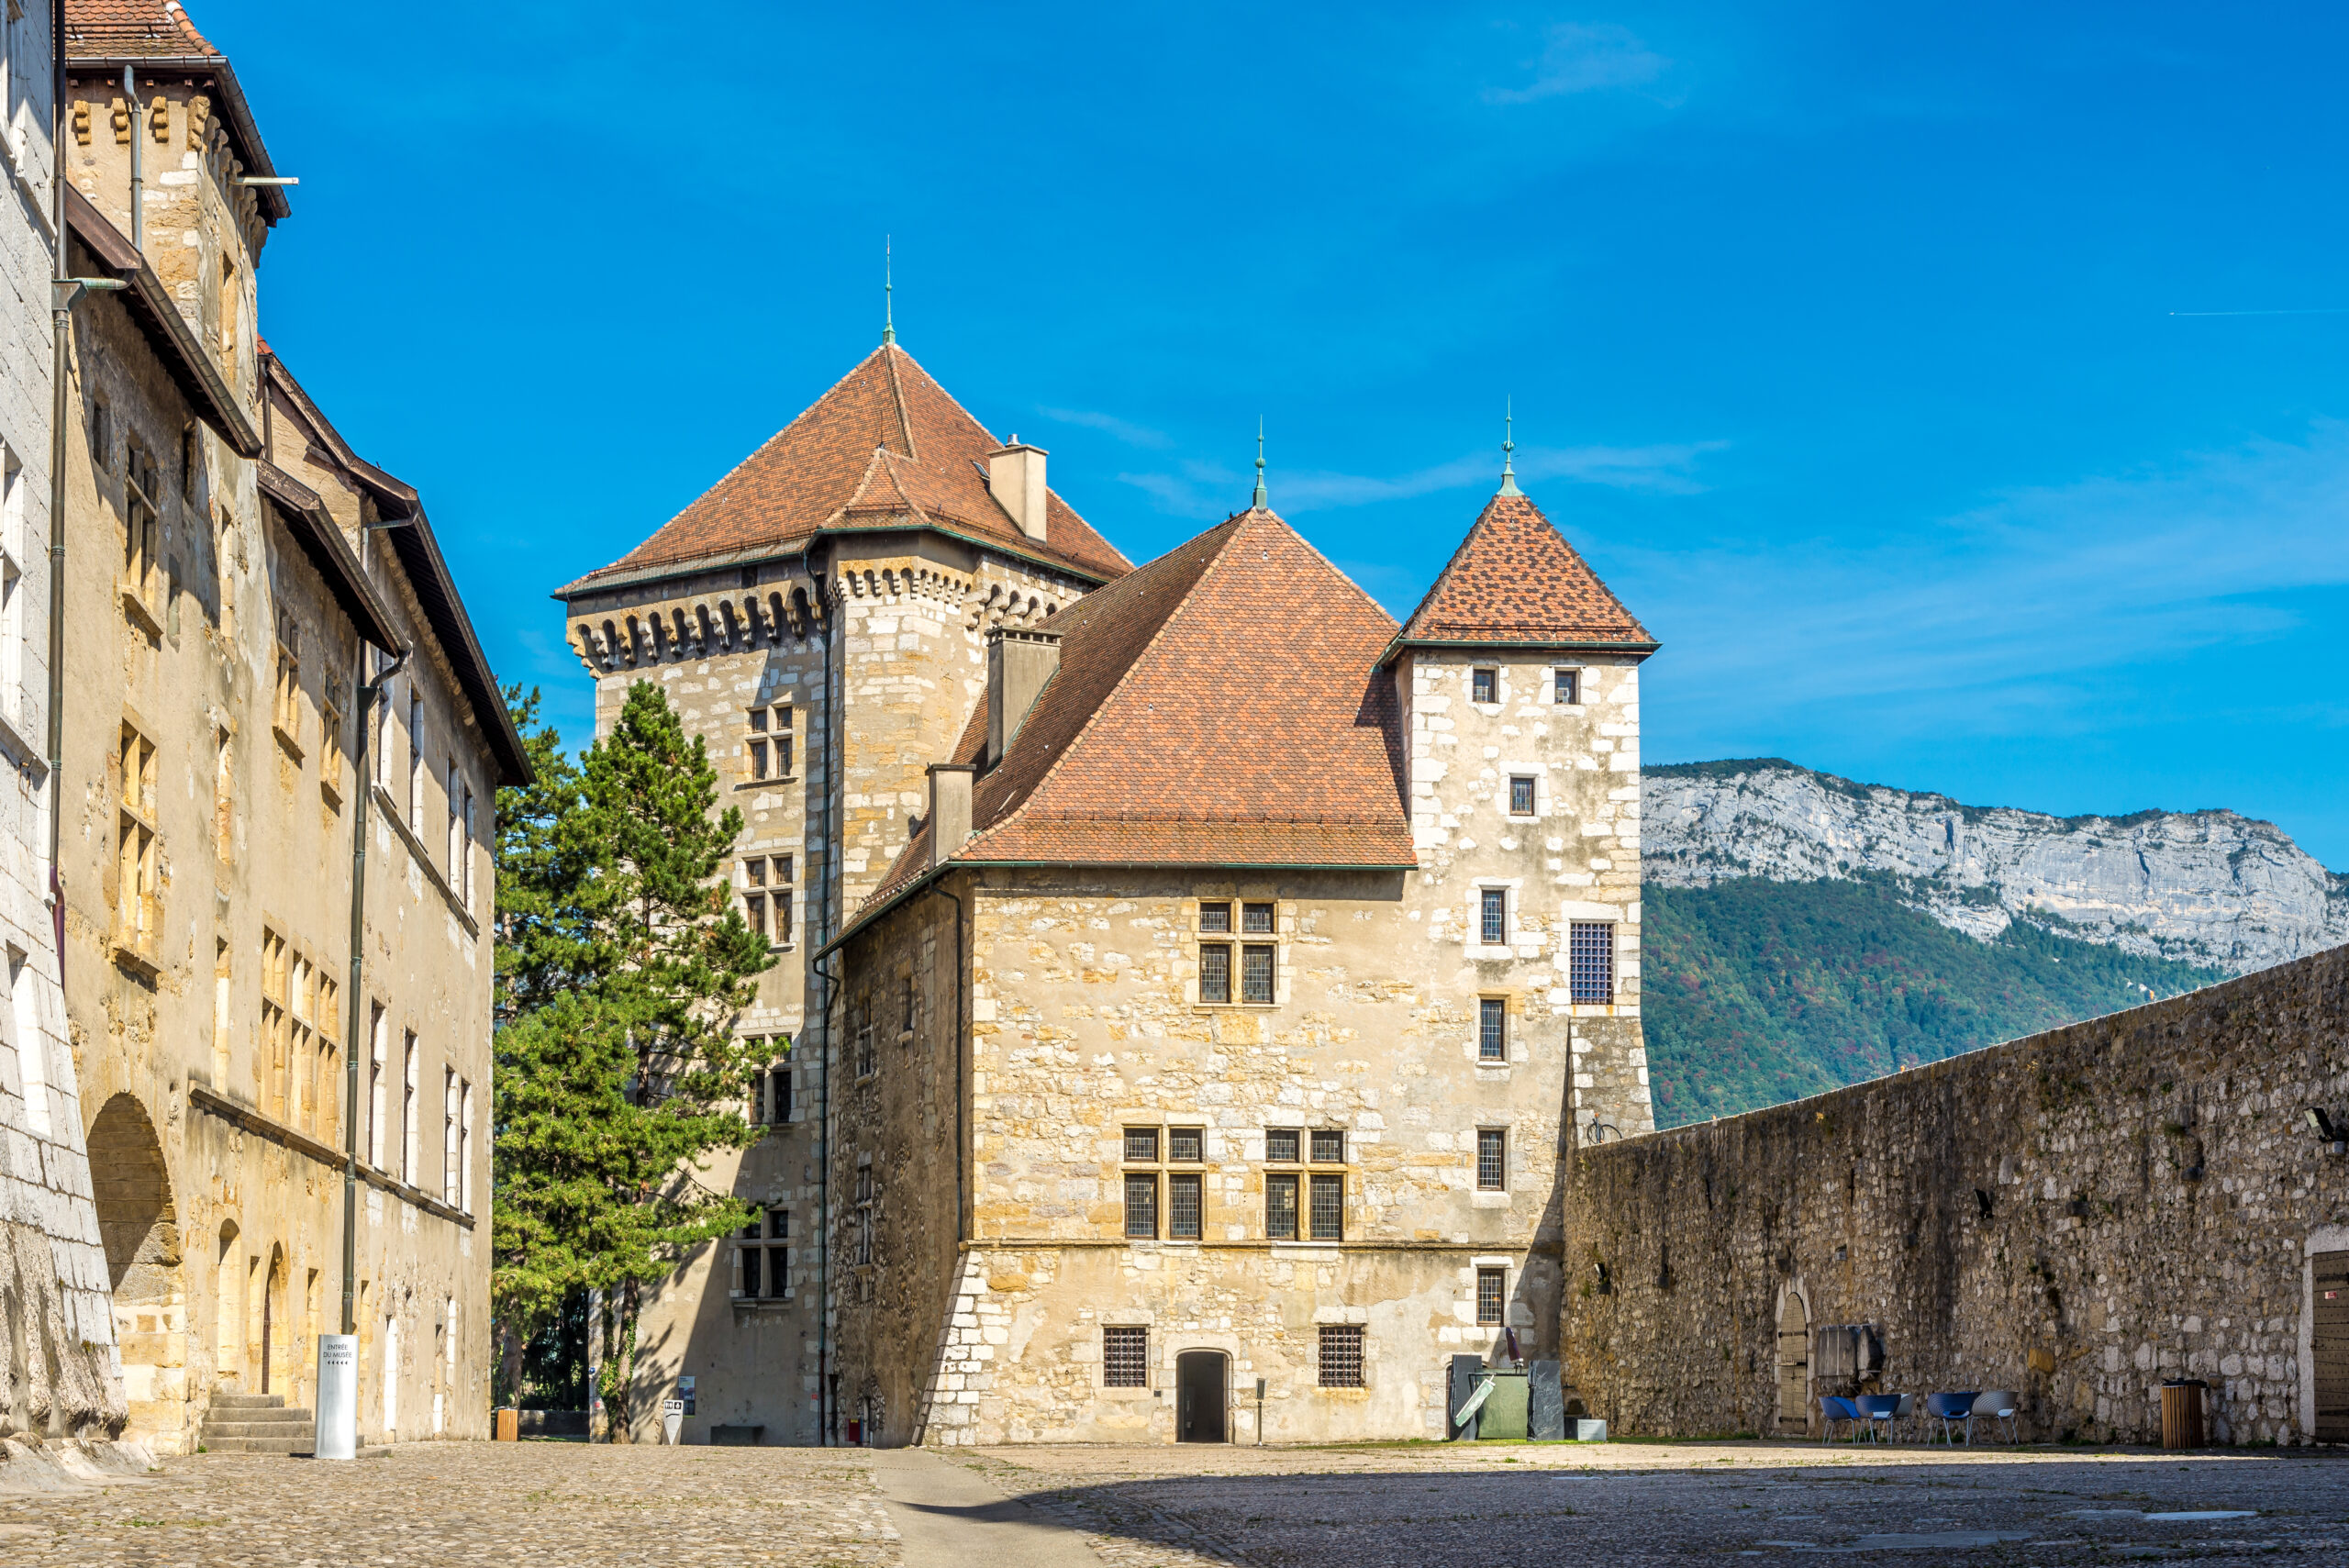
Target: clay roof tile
<point x="1515" y="581"/>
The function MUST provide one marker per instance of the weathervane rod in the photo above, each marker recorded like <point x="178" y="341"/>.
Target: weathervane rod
<point x="1256" y="502"/>
<point x="1508" y="446"/>
<point x="888" y="294"/>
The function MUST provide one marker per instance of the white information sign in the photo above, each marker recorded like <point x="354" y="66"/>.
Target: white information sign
<point x="337" y="1414"/>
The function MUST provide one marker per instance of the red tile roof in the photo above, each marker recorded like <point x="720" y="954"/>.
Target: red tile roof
<point x="1515" y="581"/>
<point x="1221" y="706"/>
<point x="131" y="29"/>
<point x="885" y="444"/>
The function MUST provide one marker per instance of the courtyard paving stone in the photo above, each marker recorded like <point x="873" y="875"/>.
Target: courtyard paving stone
<point x="1383" y="1507"/>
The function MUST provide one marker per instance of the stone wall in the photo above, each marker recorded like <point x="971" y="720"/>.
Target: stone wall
<point x="2076" y="1215"/>
<point x="60" y="1374"/>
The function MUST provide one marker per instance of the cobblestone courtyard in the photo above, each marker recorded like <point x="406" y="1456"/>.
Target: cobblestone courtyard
<point x="1411" y="1507"/>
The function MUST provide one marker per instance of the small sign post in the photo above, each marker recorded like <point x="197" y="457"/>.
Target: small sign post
<point x="337" y="1414"/>
<point x="1259" y="1412"/>
<point x="673" y="1420"/>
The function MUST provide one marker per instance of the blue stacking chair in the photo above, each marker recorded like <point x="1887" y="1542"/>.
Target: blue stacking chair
<point x="1832" y="1410"/>
<point x="1952" y="1407"/>
<point x="1879" y="1410"/>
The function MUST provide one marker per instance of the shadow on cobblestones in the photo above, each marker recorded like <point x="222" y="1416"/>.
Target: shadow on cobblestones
<point x="1471" y="1507"/>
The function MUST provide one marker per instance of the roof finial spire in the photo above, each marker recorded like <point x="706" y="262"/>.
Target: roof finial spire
<point x="888" y="296"/>
<point x="1256" y="502"/>
<point x="1508" y="446"/>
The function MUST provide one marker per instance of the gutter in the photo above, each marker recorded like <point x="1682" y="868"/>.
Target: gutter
<point x="1507" y="643"/>
<point x="229" y="94"/>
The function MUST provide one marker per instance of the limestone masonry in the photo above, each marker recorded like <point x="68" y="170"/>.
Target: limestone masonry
<point x="2076" y="1217"/>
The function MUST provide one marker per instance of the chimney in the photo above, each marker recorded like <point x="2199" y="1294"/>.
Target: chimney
<point x="949" y="808"/>
<point x="1018" y="664"/>
<point x="1016" y="479"/>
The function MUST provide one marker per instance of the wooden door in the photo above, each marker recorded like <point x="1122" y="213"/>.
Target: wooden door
<point x="1793" y="1368"/>
<point x="2330" y="1346"/>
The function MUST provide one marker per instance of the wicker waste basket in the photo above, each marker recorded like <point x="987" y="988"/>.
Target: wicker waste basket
<point x="2182" y="1413"/>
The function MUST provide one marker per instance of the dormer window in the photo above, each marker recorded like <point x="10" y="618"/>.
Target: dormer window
<point x="1484" y="684"/>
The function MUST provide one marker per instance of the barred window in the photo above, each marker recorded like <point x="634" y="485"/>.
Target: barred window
<point x="1591" y="961"/>
<point x="1125" y="1357"/>
<point x="1329" y="1208"/>
<point x="1185" y="1145"/>
<point x="1483" y="685"/>
<point x="1214" y="973"/>
<point x="1328" y="1147"/>
<point x="1141" y="1143"/>
<point x="1492" y="1028"/>
<point x="1141" y="1206"/>
<point x="1256" y="974"/>
<point x="1280" y="1207"/>
<point x="1341" y="1355"/>
<point x="1281" y="1145"/>
<point x="1256" y="918"/>
<point x="1183" y="1205"/>
<point x="1569" y="685"/>
<point x="1493" y="915"/>
<point x="1520" y="795"/>
<point x="1492" y="1287"/>
<point x="1492" y="1158"/>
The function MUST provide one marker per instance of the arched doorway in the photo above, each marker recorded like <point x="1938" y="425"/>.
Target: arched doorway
<point x="139" y="1229"/>
<point x="1201" y="1386"/>
<point x="1794" y="1367"/>
<point x="229" y="1312"/>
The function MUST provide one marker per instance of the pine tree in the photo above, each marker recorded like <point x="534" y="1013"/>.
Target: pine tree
<point x="618" y="1070"/>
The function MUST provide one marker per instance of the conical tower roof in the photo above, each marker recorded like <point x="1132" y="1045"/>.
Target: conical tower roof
<point x="1516" y="583"/>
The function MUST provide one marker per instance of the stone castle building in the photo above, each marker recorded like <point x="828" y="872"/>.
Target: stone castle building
<point x="1196" y="976"/>
<point x="236" y="576"/>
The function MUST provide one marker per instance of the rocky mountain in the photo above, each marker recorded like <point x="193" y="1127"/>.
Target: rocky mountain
<point x="2208" y="889"/>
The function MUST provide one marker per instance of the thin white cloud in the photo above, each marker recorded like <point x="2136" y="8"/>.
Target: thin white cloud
<point x="1204" y="490"/>
<point x="1132" y="434"/>
<point x="2020" y="602"/>
<point x="1585" y="57"/>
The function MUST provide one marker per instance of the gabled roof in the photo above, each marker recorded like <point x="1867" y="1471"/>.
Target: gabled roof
<point x="167" y="332"/>
<point x="321" y="540"/>
<point x="426" y="567"/>
<point x="104" y="34"/>
<point x="1221" y="706"/>
<point x="886" y="447"/>
<point x="1515" y="582"/>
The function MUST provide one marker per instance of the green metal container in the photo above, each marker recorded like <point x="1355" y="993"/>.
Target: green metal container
<point x="1504" y="1412"/>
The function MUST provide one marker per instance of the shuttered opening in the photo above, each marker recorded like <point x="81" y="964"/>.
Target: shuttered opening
<point x="2329" y="1345"/>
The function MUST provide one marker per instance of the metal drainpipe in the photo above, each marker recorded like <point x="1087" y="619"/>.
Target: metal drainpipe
<point x="962" y="1140"/>
<point x="137" y="164"/>
<point x="828" y="890"/>
<point x="61" y="327"/>
<point x="364" y="699"/>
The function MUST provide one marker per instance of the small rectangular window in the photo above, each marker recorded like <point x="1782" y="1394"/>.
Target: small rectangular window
<point x="1492" y="1160"/>
<point x="1280" y="1206"/>
<point x="1329" y="1208"/>
<point x="1328" y="1147"/>
<point x="1281" y="1145"/>
<point x="1341" y="1355"/>
<point x="1256" y="919"/>
<point x="1215" y="917"/>
<point x="1590" y="954"/>
<point x="754" y="913"/>
<point x="778" y="1225"/>
<point x="1183" y="1206"/>
<point x="1484" y="685"/>
<point x="754" y="872"/>
<point x="1142" y="1208"/>
<point x="779" y="1094"/>
<point x="1492" y="1028"/>
<point x="751" y="1256"/>
<point x="1520" y="796"/>
<point x="1492" y="1289"/>
<point x="1142" y="1144"/>
<point x="1256" y="974"/>
<point x="1214" y="974"/>
<point x="1125" y="1357"/>
<point x="758" y="759"/>
<point x="1569" y="687"/>
<point x="1187" y="1145"/>
<point x="1492" y="927"/>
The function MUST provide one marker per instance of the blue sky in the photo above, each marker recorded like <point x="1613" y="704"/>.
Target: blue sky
<point x="1869" y="351"/>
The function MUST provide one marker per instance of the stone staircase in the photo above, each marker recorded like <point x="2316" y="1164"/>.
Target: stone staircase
<point x="258" y="1423"/>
